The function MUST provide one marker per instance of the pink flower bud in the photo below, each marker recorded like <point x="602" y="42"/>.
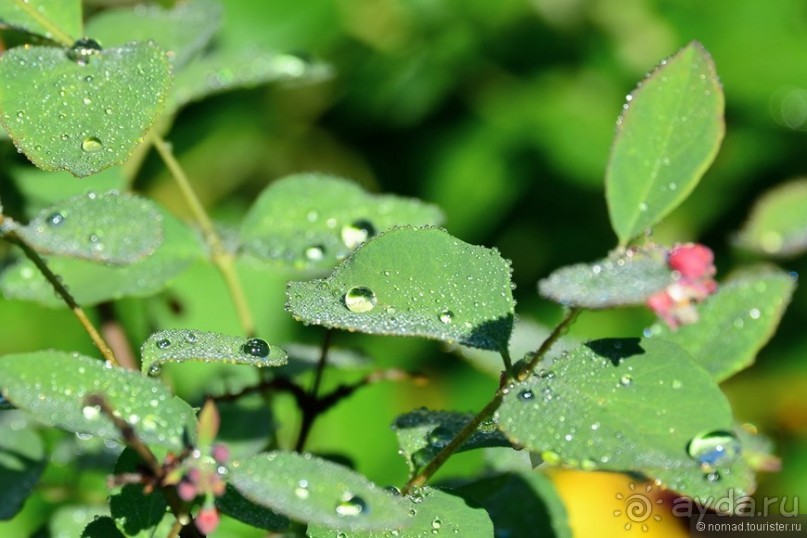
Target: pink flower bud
<point x="220" y="453"/>
<point x="186" y="491"/>
<point x="692" y="261"/>
<point x="207" y="520"/>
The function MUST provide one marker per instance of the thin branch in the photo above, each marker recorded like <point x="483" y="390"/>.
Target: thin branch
<point x="559" y="330"/>
<point x="223" y="260"/>
<point x="310" y="412"/>
<point x="57" y="33"/>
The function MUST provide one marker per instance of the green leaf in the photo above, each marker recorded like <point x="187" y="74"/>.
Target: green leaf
<point x="136" y="512"/>
<point x="520" y="504"/>
<point x="237" y="506"/>
<point x="247" y="426"/>
<point x="666" y="138"/>
<point x="44" y="17"/>
<point x="735" y="323"/>
<point x="84" y="115"/>
<point x="431" y="512"/>
<point x="311" y="221"/>
<point x="423" y="433"/>
<point x="179" y="345"/>
<point x="22" y="460"/>
<point x="313" y="490"/>
<point x="182" y="31"/>
<point x="227" y="70"/>
<point x="71" y="519"/>
<point x="624" y="279"/>
<point x="102" y="527"/>
<point x="91" y="283"/>
<point x="114" y="228"/>
<point x="414" y="282"/>
<point x="777" y="225"/>
<point x="52" y="386"/>
<point x="629" y="405"/>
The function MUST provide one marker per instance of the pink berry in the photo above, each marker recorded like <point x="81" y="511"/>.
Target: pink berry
<point x="186" y="491"/>
<point x="692" y="260"/>
<point x="207" y="520"/>
<point x="220" y="453"/>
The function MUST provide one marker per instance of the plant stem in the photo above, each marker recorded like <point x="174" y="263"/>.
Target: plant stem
<point x="62" y="292"/>
<point x="559" y="330"/>
<point x="310" y="412"/>
<point x="57" y="33"/>
<point x="223" y="260"/>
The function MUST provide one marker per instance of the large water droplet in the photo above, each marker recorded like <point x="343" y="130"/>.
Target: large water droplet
<point x="256" y="347"/>
<point x="446" y="316"/>
<point x="714" y="449"/>
<point x="163" y="343"/>
<point x="357" y="233"/>
<point x="92" y="145"/>
<point x="360" y="299"/>
<point x="440" y="437"/>
<point x="83" y="49"/>
<point x="351" y="506"/>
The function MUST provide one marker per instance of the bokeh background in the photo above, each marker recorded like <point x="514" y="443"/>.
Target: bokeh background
<point x="502" y="113"/>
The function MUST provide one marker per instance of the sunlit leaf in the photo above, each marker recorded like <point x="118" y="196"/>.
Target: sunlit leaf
<point x="777" y="224"/>
<point x="666" y="138"/>
<point x="81" y="109"/>
<point x="441" y="288"/>
<point x="43" y="17"/>
<point x="22" y="460"/>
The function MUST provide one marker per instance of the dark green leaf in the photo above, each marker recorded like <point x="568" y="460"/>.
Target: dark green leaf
<point x="666" y="138"/>
<point x="102" y="527"/>
<point x="626" y="279"/>
<point x="136" y="512"/>
<point x="239" y="507"/>
<point x="423" y="433"/>
<point x="22" y="460"/>
<point x="311" y="221"/>
<point x="431" y="512"/>
<point x="179" y="345"/>
<point x="52" y="386"/>
<point x="43" y="17"/>
<point x="114" y="228"/>
<point x="441" y="288"/>
<point x="777" y="224"/>
<point x="247" y="426"/>
<point x="735" y="323"/>
<point x="313" y="490"/>
<point x="71" y="519"/>
<point x="182" y="31"/>
<point x="629" y="405"/>
<point x="91" y="283"/>
<point x="84" y="115"/>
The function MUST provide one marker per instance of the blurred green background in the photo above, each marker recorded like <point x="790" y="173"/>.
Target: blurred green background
<point x="501" y="113"/>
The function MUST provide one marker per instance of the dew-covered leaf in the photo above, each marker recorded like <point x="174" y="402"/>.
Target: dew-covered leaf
<point x="520" y="504"/>
<point x="303" y="358"/>
<point x="114" y="228"/>
<point x="136" y="512"/>
<point x="230" y="69"/>
<point x="625" y="279"/>
<point x="431" y="512"/>
<point x="631" y="405"/>
<point x="181" y="31"/>
<point x="313" y="490"/>
<point x="667" y="136"/>
<point x="311" y="221"/>
<point x="179" y="345"/>
<point x="777" y="225"/>
<point x="52" y="386"/>
<point x="91" y="283"/>
<point x="422" y="433"/>
<point x="22" y="460"/>
<point x="414" y="282"/>
<point x="735" y="323"/>
<point x="102" y="527"/>
<point x="237" y="506"/>
<point x="43" y="17"/>
<point x="84" y="114"/>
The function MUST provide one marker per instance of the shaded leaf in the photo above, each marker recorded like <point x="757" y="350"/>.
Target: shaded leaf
<point x="423" y="433"/>
<point x="311" y="221"/>
<point x="22" y="460"/>
<point x="102" y="527"/>
<point x="115" y="228"/>
<point x="431" y="512"/>
<point x="441" y="288"/>
<point x="42" y="16"/>
<point x="91" y="283"/>
<point x="85" y="115"/>
<point x="136" y="512"/>
<point x="777" y="225"/>
<point x="666" y="138"/>
<point x="247" y="426"/>
<point x="181" y="31"/>
<point x="735" y="323"/>
<point x="626" y="279"/>
<point x="52" y="386"/>
<point x="239" y="507"/>
<point x="179" y="345"/>
<point x="629" y="405"/>
<point x="313" y="490"/>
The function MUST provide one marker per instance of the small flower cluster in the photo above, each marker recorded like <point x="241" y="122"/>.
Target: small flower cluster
<point x="203" y="475"/>
<point x="693" y="266"/>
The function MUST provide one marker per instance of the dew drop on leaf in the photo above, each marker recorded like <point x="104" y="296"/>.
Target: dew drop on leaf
<point x="91" y="412"/>
<point x="351" y="506"/>
<point x="301" y="491"/>
<point x="626" y="380"/>
<point x="256" y="347"/>
<point x="92" y="145"/>
<point x="714" y="449"/>
<point x="526" y="395"/>
<point x="163" y="343"/>
<point x="155" y="370"/>
<point x="360" y="299"/>
<point x="190" y="337"/>
<point x="82" y="50"/>
<point x="446" y="316"/>
<point x="315" y="253"/>
<point x="357" y="233"/>
<point x="55" y="219"/>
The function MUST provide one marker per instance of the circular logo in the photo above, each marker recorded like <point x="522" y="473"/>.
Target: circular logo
<point x="638" y="507"/>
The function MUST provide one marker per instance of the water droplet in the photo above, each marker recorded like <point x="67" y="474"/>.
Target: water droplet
<point x="163" y="343"/>
<point x="712" y="477"/>
<point x="754" y="313"/>
<point x="360" y="299"/>
<point x="440" y="437"/>
<point x="351" y="506"/>
<point x="357" y="233"/>
<point x="714" y="449"/>
<point x="20" y="114"/>
<point x="86" y="100"/>
<point x="155" y="370"/>
<point x="301" y="491"/>
<point x="315" y="253"/>
<point x="488" y="426"/>
<point x="676" y="384"/>
<point x="256" y="347"/>
<point x="91" y="412"/>
<point x="82" y="50"/>
<point x="55" y="219"/>
<point x="588" y="465"/>
<point x="626" y="380"/>
<point x="446" y="316"/>
<point x="526" y="395"/>
<point x="437" y="524"/>
<point x="92" y="145"/>
<point x="95" y="242"/>
<point x="550" y="457"/>
<point x="88" y="78"/>
<point x="190" y="337"/>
